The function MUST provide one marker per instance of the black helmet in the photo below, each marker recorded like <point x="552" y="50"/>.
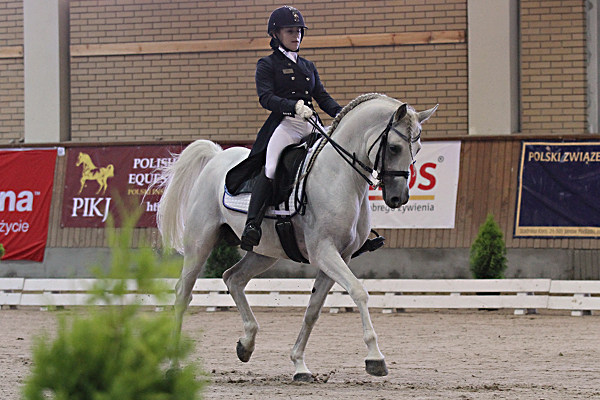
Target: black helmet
<point x="285" y="17"/>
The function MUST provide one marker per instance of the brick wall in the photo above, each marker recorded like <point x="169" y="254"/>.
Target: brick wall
<point x="111" y="21"/>
<point x="11" y="23"/>
<point x="553" y="68"/>
<point x="184" y="96"/>
<point x="11" y="100"/>
<point x="11" y="73"/>
<point x="213" y="95"/>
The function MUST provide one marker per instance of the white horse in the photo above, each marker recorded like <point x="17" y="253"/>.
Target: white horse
<point x="381" y="132"/>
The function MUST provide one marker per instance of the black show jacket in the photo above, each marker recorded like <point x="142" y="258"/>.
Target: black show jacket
<point x="280" y="83"/>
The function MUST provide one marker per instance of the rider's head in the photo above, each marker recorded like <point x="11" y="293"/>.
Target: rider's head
<point x="286" y="28"/>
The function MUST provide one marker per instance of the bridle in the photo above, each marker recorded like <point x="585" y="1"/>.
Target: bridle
<point x="378" y="172"/>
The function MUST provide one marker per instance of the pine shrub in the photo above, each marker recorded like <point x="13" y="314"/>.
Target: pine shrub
<point x="488" y="251"/>
<point x="116" y="351"/>
<point x="221" y="259"/>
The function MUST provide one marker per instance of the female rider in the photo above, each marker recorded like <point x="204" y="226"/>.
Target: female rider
<point x="286" y="84"/>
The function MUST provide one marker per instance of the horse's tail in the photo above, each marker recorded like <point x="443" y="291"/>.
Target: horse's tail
<point x="177" y="180"/>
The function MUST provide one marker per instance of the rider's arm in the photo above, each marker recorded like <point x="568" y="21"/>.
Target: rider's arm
<point x="265" y="87"/>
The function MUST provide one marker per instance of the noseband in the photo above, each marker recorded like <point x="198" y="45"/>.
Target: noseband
<point x="378" y="172"/>
<point x="379" y="166"/>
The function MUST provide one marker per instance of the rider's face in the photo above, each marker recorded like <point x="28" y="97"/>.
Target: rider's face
<point x="290" y="37"/>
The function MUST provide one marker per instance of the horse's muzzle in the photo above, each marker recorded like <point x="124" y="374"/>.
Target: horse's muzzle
<point x="396" y="198"/>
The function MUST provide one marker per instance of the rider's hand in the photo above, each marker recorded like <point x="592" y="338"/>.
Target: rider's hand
<point x="302" y="110"/>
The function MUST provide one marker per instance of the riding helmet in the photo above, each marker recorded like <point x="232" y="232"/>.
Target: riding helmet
<point x="285" y="17"/>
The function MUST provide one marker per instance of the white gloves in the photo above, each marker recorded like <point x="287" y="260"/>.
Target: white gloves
<point x="302" y="110"/>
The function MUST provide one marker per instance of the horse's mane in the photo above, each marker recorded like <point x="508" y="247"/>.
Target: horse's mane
<point x="350" y="106"/>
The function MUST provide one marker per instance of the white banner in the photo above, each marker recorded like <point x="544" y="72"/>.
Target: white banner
<point x="433" y="187"/>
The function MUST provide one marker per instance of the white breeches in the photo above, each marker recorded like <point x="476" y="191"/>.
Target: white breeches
<point x="291" y="130"/>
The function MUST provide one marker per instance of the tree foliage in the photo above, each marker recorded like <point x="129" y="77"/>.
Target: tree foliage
<point x="488" y="251"/>
<point x="221" y="259"/>
<point x="115" y="351"/>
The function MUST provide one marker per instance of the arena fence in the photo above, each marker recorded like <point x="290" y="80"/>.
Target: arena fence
<point x="524" y="296"/>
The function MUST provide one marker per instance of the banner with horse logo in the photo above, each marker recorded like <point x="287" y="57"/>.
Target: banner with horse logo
<point x="558" y="191"/>
<point x="99" y="178"/>
<point x="433" y="185"/>
<point x="25" y="197"/>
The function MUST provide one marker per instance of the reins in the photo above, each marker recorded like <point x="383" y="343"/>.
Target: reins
<point x="377" y="172"/>
<point x="345" y="154"/>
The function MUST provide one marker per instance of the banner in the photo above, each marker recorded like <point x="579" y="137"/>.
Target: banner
<point x="433" y="185"/>
<point x="98" y="178"/>
<point x="559" y="190"/>
<point x="26" y="181"/>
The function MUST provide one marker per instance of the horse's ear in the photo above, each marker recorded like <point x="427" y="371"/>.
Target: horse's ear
<point x="400" y="112"/>
<point x="424" y="115"/>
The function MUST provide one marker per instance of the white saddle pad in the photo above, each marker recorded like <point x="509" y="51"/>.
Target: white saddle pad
<point x="241" y="202"/>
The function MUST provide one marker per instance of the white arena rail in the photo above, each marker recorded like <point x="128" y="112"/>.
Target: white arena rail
<point x="10" y="291"/>
<point x="575" y="296"/>
<point x="522" y="295"/>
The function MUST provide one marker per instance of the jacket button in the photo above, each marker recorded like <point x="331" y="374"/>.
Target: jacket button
<point x="293" y="78"/>
<point x="307" y="78"/>
<point x="306" y="92"/>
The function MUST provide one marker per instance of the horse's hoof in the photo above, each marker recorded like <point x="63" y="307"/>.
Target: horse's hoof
<point x="242" y="353"/>
<point x="303" y="377"/>
<point x="376" y="367"/>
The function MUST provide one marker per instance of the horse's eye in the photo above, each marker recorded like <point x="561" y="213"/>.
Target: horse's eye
<point x="395" y="149"/>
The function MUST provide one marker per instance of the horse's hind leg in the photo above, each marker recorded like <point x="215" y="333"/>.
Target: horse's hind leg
<point x="321" y="288"/>
<point x="196" y="253"/>
<point x="236" y="278"/>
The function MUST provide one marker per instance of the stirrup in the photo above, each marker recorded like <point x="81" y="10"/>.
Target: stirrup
<point x="251" y="236"/>
<point x="370" y="245"/>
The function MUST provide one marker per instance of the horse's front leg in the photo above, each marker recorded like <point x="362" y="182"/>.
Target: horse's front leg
<point x="321" y="288"/>
<point x="331" y="262"/>
<point x="82" y="180"/>
<point x="236" y="278"/>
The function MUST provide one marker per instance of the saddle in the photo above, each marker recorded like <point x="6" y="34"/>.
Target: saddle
<point x="288" y="197"/>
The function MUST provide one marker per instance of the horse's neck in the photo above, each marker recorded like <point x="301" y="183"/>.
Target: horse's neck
<point x="88" y="165"/>
<point x="338" y="172"/>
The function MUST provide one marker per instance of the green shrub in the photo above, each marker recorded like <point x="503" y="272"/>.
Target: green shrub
<point x="115" y="352"/>
<point x="221" y="259"/>
<point x="488" y="251"/>
<point x="1" y="250"/>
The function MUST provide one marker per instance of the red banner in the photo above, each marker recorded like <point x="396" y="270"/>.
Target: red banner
<point x="99" y="177"/>
<point x="26" y="181"/>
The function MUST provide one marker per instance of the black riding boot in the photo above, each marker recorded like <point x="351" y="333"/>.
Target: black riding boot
<point x="370" y="245"/>
<point x="261" y="192"/>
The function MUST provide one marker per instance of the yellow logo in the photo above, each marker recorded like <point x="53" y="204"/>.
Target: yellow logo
<point x="90" y="172"/>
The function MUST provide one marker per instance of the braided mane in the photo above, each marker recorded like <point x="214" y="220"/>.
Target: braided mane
<point x="350" y="106"/>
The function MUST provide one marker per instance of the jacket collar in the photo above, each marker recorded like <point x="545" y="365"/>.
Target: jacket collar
<point x="298" y="66"/>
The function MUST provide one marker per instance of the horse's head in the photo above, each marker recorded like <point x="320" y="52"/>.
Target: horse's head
<point x="80" y="159"/>
<point x="397" y="147"/>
